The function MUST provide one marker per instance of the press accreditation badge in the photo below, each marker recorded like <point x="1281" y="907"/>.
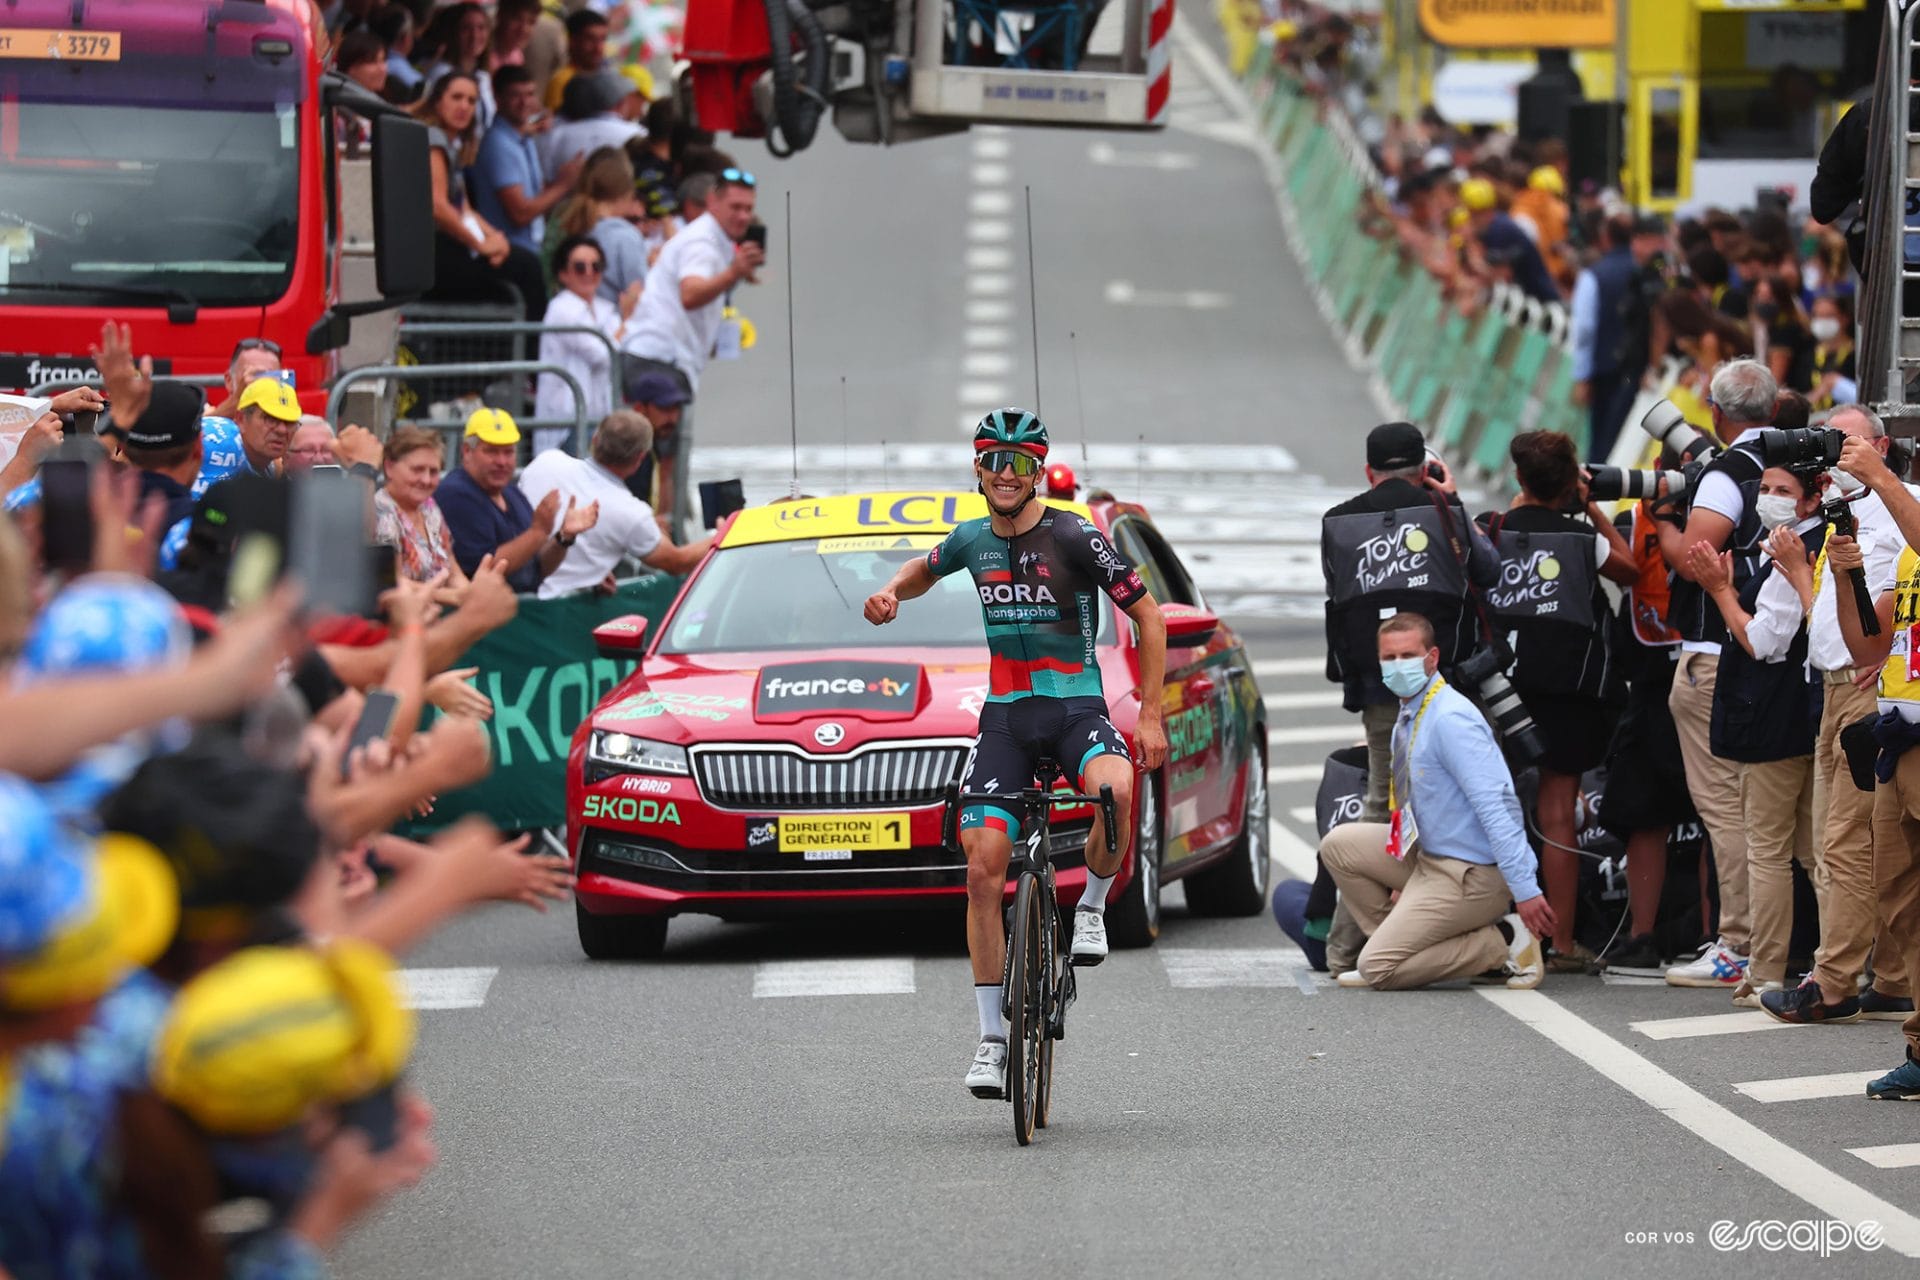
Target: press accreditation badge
<point x="726" y="343"/>
<point x="1402" y="832"/>
<point x="1905" y="639"/>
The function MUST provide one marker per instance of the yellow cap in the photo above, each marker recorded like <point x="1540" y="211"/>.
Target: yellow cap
<point x="1457" y="218"/>
<point x="493" y="426"/>
<point x="256" y="1041"/>
<point x="641" y="77"/>
<point x="1477" y="194"/>
<point x="273" y="398"/>
<point x="130" y="919"/>
<point x="1547" y="178"/>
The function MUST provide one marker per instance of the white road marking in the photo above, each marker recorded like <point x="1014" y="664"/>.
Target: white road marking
<point x="994" y="148"/>
<point x="989" y="257"/>
<point x="1715" y="1024"/>
<point x="990" y="203"/>
<point x="1904" y="1155"/>
<point x="1329" y="700"/>
<point x="1294" y="855"/>
<point x="989" y="282"/>
<point x="989" y="175"/>
<point x="987" y="335"/>
<point x="983" y="393"/>
<point x="1290" y="667"/>
<point x="1630" y="980"/>
<point x="1845" y="1084"/>
<point x="1344" y="734"/>
<point x="1124" y="293"/>
<point x="990" y="230"/>
<point x="1304" y="813"/>
<point x="1767" y="1156"/>
<point x="1194" y="969"/>
<point x="778" y="978"/>
<point x="1281" y="774"/>
<point x="1165" y="161"/>
<point x="445" y="988"/>
<point x="986" y="364"/>
<point x="988" y="310"/>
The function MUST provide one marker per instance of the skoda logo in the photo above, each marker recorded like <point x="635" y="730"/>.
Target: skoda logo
<point x="829" y="734"/>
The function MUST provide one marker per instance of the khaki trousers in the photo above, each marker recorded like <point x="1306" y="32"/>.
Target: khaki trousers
<point x="1778" y="798"/>
<point x="1715" y="786"/>
<point x="1850" y="912"/>
<point x="1896" y="849"/>
<point x="1377" y="721"/>
<point x="1442" y="926"/>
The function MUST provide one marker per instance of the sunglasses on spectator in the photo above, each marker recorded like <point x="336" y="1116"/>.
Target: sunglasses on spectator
<point x="994" y="461"/>
<point x="586" y="266"/>
<point x="740" y="176"/>
<point x="255" y="344"/>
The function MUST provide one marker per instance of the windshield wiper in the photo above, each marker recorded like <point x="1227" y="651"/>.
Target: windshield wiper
<point x="182" y="307"/>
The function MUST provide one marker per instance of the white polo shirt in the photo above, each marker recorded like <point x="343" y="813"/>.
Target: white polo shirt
<point x="626" y="525"/>
<point x="662" y="329"/>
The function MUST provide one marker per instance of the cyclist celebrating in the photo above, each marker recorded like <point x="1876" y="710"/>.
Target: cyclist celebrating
<point x="1037" y="570"/>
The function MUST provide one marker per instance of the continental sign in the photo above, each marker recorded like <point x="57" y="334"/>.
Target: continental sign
<point x="863" y="514"/>
<point x="1520" y="24"/>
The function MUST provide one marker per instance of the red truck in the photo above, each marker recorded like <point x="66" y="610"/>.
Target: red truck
<point x="174" y="164"/>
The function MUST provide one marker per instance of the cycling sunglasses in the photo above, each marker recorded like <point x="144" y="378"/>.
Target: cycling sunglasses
<point x="740" y="176"/>
<point x="994" y="461"/>
<point x="587" y="266"/>
<point x="254" y="344"/>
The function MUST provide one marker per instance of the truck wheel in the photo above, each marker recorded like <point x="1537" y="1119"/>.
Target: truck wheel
<point x="619" y="937"/>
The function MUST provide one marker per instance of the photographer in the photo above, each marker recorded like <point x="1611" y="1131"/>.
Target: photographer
<point x="1723" y="516"/>
<point x="1549" y="600"/>
<point x="1765" y="711"/>
<point x="1896" y="800"/>
<point x="1405" y="545"/>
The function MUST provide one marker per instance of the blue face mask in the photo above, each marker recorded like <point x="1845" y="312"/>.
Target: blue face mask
<point x="1404" y="677"/>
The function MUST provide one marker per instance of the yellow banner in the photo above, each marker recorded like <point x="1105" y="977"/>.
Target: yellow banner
<point x="1516" y="24"/>
<point x="860" y="515"/>
<point x="78" y="46"/>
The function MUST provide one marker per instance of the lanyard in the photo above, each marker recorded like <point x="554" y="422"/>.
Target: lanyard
<point x="1393" y="800"/>
<point x="1820" y="567"/>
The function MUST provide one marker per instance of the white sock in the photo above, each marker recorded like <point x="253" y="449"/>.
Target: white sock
<point x="1094" y="897"/>
<point x="987" y="996"/>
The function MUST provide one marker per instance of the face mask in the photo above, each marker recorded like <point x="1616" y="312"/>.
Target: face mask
<point x="1847" y="486"/>
<point x="1404" y="677"/>
<point x="1775" y="509"/>
<point x="1825" y="329"/>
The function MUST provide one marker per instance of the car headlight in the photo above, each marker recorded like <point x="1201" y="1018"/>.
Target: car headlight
<point x="636" y="755"/>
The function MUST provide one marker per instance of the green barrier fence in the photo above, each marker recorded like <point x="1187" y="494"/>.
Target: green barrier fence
<point x="1472" y="382"/>
<point x="544" y="675"/>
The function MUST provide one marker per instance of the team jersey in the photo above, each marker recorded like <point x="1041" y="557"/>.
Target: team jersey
<point x="221" y="455"/>
<point x="1039" y="593"/>
<point x="1900" y="674"/>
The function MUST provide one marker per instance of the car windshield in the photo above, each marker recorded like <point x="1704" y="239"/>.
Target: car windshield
<point x="105" y="204"/>
<point x="810" y="594"/>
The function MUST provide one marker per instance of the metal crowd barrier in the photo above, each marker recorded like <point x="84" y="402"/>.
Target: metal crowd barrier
<point x="517" y="331"/>
<point x="579" y="424"/>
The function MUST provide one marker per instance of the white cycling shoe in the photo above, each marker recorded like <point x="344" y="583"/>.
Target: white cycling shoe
<point x="1089" y="937"/>
<point x="987" y="1077"/>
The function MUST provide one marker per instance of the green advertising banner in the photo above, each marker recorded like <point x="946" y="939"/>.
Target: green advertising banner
<point x="544" y="675"/>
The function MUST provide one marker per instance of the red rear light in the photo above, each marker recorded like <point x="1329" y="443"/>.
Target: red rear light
<point x="1060" y="481"/>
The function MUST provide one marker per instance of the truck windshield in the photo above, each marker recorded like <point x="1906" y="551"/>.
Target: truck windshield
<point x="104" y="204"/>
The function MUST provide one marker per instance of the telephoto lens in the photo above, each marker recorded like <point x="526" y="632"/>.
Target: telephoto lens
<point x="1612" y="484"/>
<point x="1805" y="449"/>
<point x="1511" y="720"/>
<point x="1666" y="424"/>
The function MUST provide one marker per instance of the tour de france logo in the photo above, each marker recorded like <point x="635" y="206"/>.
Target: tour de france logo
<point x="1528" y="584"/>
<point x="1396" y="559"/>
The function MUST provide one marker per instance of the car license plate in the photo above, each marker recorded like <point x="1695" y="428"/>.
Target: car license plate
<point x="859" y="832"/>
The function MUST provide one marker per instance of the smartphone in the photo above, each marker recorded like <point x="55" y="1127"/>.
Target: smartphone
<point x="385" y="559"/>
<point x="536" y="119"/>
<point x="756" y="234"/>
<point x="327" y="469"/>
<point x="327" y="514"/>
<point x="375" y="722"/>
<point x="1436" y="469"/>
<point x="254" y="569"/>
<point x="66" y="514"/>
<point x="377" y="1115"/>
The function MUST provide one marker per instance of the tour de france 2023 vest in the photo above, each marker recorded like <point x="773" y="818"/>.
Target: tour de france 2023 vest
<point x="1382" y="562"/>
<point x="1549" y="604"/>
<point x="1900" y="676"/>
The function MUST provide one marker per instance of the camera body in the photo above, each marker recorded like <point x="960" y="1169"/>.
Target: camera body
<point x="1807" y="450"/>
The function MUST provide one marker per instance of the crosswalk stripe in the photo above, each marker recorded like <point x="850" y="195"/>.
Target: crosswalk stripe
<point x="1282" y="774"/>
<point x="1345" y="734"/>
<point x="1290" y="667"/>
<point x="887" y="977"/>
<point x="1196" y="969"/>
<point x="445" y="988"/>
<point x="1303" y="813"/>
<point x="1292" y="854"/>
<point x="1319" y="701"/>
<point x="1844" y="1084"/>
<point x="1903" y="1155"/>
<point x="1717" y="1024"/>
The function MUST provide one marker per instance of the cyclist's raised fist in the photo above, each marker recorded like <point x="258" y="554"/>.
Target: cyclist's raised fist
<point x="882" y="606"/>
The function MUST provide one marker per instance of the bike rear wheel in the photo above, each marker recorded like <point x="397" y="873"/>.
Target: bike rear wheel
<point x="1027" y="1023"/>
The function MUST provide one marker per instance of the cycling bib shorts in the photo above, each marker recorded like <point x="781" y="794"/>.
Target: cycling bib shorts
<point x="1013" y="738"/>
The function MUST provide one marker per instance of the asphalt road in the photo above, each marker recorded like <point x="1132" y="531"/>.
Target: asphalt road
<point x="786" y="1100"/>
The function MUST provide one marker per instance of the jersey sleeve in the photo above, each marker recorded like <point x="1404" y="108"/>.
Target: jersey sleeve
<point x="1088" y="549"/>
<point x="951" y="554"/>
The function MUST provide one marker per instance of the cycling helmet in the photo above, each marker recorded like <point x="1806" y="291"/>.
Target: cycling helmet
<point x="1019" y="428"/>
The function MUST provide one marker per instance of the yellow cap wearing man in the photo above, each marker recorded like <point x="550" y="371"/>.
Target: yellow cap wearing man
<point x="124" y="922"/>
<point x="255" y="1042"/>
<point x="273" y="398"/>
<point x="1478" y="194"/>
<point x="493" y="426"/>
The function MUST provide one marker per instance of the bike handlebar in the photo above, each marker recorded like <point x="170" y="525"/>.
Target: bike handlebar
<point x="1027" y="798"/>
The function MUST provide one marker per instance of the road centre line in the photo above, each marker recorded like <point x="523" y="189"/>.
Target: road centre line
<point x="1772" y="1159"/>
<point x="989" y="203"/>
<point x="990" y="175"/>
<point x="992" y="148"/>
<point x="990" y="230"/>
<point x="445" y="988"/>
<point x="1844" y="1084"/>
<point x="989" y="282"/>
<point x="986" y="364"/>
<point x="988" y="335"/>
<point x="774" y="979"/>
<point x="989" y="257"/>
<point x="1714" y="1024"/>
<point x="982" y="393"/>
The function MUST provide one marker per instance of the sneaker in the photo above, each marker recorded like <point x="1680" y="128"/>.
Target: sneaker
<point x="1747" y="996"/>
<point x="1718" y="966"/>
<point x="1803" y="1004"/>
<point x="987" y="1078"/>
<point x="1579" y="960"/>
<point x="1525" y="963"/>
<point x="1878" y="1008"/>
<point x="1351" y="978"/>
<point x="1089" y="937"/>
<point x="1901" y="1084"/>
<point x="1635" y="957"/>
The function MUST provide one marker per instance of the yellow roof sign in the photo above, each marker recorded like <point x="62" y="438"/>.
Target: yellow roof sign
<point x="862" y="513"/>
<point x="45" y="43"/>
<point x="1509" y="24"/>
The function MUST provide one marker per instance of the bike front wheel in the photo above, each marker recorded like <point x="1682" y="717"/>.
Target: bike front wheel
<point x="1027" y="1022"/>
